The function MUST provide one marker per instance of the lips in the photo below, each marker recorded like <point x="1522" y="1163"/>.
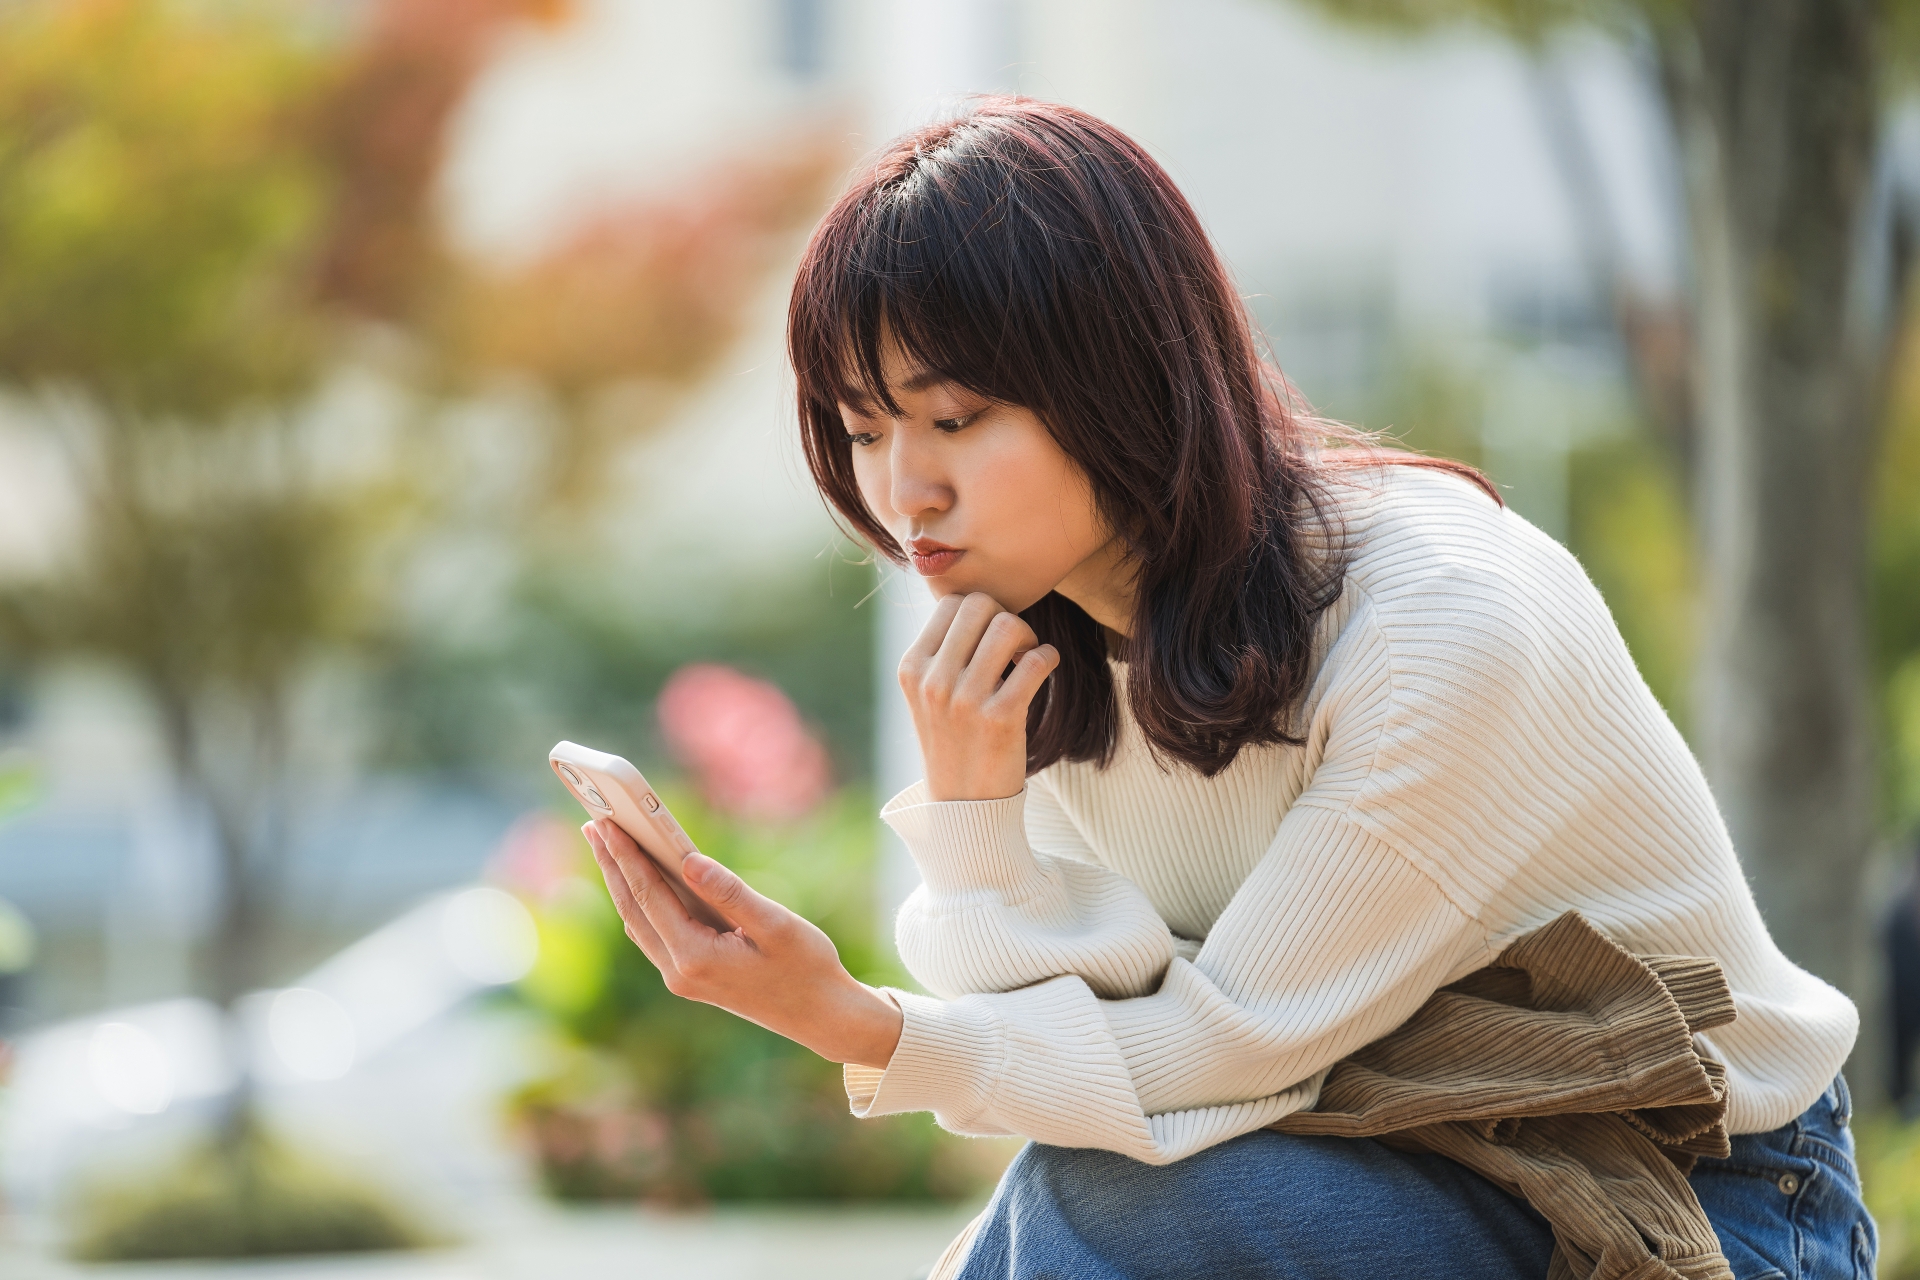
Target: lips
<point x="930" y="558"/>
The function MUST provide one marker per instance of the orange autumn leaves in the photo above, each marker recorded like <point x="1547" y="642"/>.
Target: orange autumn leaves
<point x="198" y="206"/>
<point x="649" y="289"/>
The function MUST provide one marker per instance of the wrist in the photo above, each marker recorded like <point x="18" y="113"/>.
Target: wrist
<point x="971" y="795"/>
<point x="867" y="1027"/>
<point x="964" y="785"/>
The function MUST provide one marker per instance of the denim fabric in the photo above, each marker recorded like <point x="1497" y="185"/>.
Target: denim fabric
<point x="1785" y="1204"/>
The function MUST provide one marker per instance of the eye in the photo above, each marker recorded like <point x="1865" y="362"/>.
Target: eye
<point x="951" y="425"/>
<point x="862" y="438"/>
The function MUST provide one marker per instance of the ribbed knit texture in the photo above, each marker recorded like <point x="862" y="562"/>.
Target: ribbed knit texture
<point x="1567" y="1074"/>
<point x="1143" y="960"/>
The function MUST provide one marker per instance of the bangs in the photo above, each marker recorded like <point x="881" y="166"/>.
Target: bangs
<point x="925" y="260"/>
<point x="1009" y="253"/>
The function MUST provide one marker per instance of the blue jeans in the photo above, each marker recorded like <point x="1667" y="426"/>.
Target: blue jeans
<point x="1786" y="1204"/>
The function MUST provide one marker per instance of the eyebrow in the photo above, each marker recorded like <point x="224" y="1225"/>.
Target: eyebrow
<point x="922" y="379"/>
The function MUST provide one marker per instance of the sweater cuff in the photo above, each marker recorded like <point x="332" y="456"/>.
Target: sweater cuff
<point x="948" y="1056"/>
<point x="964" y="844"/>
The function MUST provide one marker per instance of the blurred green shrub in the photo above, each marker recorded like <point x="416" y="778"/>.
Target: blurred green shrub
<point x="657" y="1098"/>
<point x="1889" y="1159"/>
<point x="1896" y="593"/>
<point x="19" y="786"/>
<point x="1629" y="528"/>
<point x="253" y="1200"/>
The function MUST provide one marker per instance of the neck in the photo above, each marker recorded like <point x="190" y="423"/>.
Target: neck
<point x="1103" y="586"/>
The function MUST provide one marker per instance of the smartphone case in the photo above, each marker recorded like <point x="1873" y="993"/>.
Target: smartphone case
<point x="608" y="786"/>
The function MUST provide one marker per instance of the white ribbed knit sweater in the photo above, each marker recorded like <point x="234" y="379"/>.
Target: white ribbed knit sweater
<point x="1147" y="961"/>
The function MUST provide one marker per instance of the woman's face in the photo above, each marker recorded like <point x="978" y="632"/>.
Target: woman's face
<point x="980" y="496"/>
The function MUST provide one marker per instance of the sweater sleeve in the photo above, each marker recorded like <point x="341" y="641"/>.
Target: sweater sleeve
<point x="993" y="913"/>
<point x="1334" y="939"/>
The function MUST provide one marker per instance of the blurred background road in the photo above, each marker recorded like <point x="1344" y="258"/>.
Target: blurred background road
<point x="805" y="1244"/>
<point x="390" y="388"/>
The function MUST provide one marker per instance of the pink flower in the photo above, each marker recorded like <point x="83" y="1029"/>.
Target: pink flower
<point x="537" y="856"/>
<point x="744" y="743"/>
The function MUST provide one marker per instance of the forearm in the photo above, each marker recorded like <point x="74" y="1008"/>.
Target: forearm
<point x="1041" y="1064"/>
<point x="993" y="915"/>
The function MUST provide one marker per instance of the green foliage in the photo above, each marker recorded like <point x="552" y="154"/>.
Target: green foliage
<point x="213" y="1202"/>
<point x="229" y="578"/>
<point x="1889" y="1159"/>
<point x="1627" y="517"/>
<point x="1630" y="531"/>
<point x="19" y="787"/>
<point x="1430" y="403"/>
<point x="659" y="1098"/>
<point x="566" y="660"/>
<point x="153" y="218"/>
<point x="1896" y="592"/>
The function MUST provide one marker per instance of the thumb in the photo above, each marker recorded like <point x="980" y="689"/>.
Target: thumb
<point x="734" y="897"/>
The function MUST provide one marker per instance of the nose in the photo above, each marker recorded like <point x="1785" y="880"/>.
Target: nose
<point x="917" y="483"/>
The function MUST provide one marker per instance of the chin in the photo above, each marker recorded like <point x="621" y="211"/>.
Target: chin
<point x="1013" y="598"/>
<point x="946" y="585"/>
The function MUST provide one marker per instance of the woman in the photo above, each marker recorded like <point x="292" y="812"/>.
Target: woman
<point x="1238" y="746"/>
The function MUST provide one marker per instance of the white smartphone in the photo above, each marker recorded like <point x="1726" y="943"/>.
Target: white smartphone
<point x="610" y="787"/>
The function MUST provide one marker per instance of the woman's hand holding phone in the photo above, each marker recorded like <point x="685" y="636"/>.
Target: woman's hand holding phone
<point x="969" y="711"/>
<point x="775" y="968"/>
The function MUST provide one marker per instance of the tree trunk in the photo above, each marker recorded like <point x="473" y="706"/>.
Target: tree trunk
<point x="1775" y="107"/>
<point x="232" y="960"/>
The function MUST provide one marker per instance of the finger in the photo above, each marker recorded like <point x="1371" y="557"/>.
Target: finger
<point x="1008" y="638"/>
<point x="927" y="643"/>
<point x="976" y="614"/>
<point x="1029" y="673"/>
<point x="659" y="905"/>
<point x="633" y="920"/>
<point x="739" y="901"/>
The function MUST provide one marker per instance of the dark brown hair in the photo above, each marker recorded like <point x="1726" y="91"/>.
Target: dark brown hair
<point x="1039" y="257"/>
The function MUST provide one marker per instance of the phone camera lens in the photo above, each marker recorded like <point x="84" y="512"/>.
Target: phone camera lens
<point x="566" y="771"/>
<point x="593" y="795"/>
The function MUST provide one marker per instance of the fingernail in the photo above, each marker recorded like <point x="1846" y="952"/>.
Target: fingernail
<point x="696" y="866"/>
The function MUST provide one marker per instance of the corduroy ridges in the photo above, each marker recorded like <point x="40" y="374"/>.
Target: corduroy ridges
<point x="1566" y="1073"/>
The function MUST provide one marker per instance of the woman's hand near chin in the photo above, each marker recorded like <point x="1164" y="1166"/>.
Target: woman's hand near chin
<point x="972" y="722"/>
<point x="774" y="968"/>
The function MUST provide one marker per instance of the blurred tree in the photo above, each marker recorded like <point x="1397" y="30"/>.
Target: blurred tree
<point x="1770" y="379"/>
<point x="204" y="212"/>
